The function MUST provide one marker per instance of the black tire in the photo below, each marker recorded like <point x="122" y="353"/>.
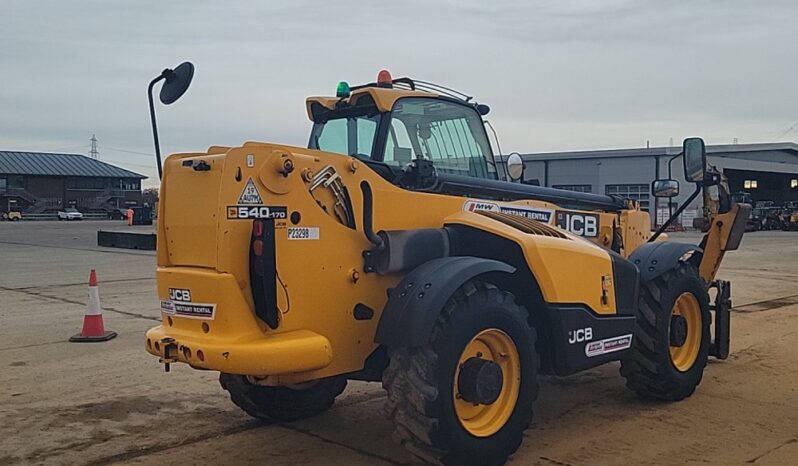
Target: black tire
<point x="419" y="381"/>
<point x="282" y="403"/>
<point x="649" y="369"/>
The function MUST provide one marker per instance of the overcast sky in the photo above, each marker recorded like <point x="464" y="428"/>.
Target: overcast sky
<point x="558" y="75"/>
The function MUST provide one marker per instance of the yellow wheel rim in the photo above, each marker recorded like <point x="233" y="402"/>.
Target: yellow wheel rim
<point x="484" y="420"/>
<point x="683" y="357"/>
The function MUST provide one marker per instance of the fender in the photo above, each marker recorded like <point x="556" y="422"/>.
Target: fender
<point x="414" y="305"/>
<point x="654" y="259"/>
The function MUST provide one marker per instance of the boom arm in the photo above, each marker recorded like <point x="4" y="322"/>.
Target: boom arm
<point x="727" y="225"/>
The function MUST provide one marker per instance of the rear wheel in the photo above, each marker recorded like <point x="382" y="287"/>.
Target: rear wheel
<point x="466" y="397"/>
<point x="671" y="337"/>
<point x="282" y="403"/>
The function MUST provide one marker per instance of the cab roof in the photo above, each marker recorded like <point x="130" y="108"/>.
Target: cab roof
<point x="384" y="98"/>
<point x="384" y="93"/>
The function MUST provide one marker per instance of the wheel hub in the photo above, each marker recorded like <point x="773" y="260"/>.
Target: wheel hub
<point x="480" y="381"/>
<point x="678" y="334"/>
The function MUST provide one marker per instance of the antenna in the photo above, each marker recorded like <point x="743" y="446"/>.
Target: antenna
<point x="93" y="151"/>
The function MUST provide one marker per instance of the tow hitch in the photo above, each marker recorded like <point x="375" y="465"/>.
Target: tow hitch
<point x="169" y="347"/>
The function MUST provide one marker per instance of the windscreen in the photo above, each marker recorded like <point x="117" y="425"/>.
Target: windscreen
<point x="449" y="134"/>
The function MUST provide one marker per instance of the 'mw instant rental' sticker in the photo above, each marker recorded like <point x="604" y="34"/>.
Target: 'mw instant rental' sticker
<point x="189" y="310"/>
<point x="534" y="213"/>
<point x="250" y="194"/>
<point x="608" y="345"/>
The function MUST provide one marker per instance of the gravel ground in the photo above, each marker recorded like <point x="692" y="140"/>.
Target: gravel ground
<point x="63" y="403"/>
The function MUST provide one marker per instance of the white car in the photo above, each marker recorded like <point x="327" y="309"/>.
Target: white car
<point x="70" y="213"/>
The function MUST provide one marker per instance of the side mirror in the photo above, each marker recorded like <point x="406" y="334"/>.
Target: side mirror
<point x="483" y="109"/>
<point x="665" y="188"/>
<point x="515" y="166"/>
<point x="176" y="82"/>
<point x="695" y="159"/>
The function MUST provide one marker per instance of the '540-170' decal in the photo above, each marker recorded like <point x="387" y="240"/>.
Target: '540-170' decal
<point x="248" y="212"/>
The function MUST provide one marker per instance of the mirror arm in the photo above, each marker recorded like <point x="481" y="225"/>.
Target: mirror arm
<point x="154" y="124"/>
<point x="676" y="214"/>
<point x="670" y="161"/>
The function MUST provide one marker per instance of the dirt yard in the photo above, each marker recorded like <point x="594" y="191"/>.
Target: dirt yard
<point x="66" y="403"/>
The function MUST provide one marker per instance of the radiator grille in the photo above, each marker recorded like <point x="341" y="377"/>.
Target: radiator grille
<point x="527" y="225"/>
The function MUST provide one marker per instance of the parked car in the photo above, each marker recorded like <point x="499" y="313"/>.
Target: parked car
<point x="70" y="213"/>
<point x="12" y="216"/>
<point x="118" y="214"/>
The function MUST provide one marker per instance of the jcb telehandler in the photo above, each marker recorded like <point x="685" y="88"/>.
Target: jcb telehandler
<point x="397" y="248"/>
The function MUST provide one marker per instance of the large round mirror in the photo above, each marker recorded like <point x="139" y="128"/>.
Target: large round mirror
<point x="515" y="166"/>
<point x="176" y="82"/>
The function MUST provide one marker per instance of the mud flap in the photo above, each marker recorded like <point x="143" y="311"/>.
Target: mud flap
<point x="719" y="347"/>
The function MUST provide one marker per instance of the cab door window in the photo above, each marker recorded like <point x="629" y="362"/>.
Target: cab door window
<point x="449" y="134"/>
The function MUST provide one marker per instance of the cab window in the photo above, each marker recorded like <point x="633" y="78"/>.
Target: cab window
<point x="449" y="134"/>
<point x="352" y="135"/>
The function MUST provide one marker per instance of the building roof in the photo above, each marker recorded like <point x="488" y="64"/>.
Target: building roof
<point x="654" y="151"/>
<point x="49" y="164"/>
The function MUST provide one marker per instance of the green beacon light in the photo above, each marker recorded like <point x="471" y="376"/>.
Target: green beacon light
<point x="343" y="89"/>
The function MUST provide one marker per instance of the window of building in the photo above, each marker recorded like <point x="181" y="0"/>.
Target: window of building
<point x="86" y="183"/>
<point x="129" y="185"/>
<point x="580" y="188"/>
<point x="794" y="183"/>
<point x="16" y="181"/>
<point x="750" y="184"/>
<point x="636" y="192"/>
<point x="3" y="184"/>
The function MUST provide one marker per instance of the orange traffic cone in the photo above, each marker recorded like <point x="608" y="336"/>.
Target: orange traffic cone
<point x="93" y="328"/>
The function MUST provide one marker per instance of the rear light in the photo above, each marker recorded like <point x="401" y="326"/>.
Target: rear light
<point x="263" y="271"/>
<point x="257" y="228"/>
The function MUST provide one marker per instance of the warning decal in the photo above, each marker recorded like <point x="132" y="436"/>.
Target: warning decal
<point x="250" y="194"/>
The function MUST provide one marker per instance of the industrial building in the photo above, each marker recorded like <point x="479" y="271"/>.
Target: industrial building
<point x="766" y="171"/>
<point x="39" y="183"/>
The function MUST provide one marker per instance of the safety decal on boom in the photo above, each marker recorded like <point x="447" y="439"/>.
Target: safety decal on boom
<point x="534" y="213"/>
<point x="250" y="194"/>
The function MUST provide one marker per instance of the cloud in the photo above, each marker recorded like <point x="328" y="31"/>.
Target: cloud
<point x="558" y="75"/>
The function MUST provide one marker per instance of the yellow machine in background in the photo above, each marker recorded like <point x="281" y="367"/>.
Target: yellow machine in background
<point x="396" y="248"/>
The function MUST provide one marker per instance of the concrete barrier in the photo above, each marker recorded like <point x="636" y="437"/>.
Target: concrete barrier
<point x="126" y="240"/>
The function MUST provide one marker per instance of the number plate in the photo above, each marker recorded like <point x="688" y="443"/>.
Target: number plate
<point x="303" y="233"/>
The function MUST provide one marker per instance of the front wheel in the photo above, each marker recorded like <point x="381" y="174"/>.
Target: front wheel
<point x="282" y="403"/>
<point x="466" y="397"/>
<point x="671" y="337"/>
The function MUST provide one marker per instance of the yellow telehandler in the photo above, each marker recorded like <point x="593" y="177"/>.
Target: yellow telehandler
<point x="397" y="248"/>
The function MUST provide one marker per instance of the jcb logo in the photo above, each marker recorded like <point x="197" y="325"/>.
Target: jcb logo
<point x="578" y="224"/>
<point x="580" y="335"/>
<point x="179" y="294"/>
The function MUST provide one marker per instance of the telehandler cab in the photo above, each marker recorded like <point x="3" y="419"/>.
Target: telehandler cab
<point x="397" y="248"/>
